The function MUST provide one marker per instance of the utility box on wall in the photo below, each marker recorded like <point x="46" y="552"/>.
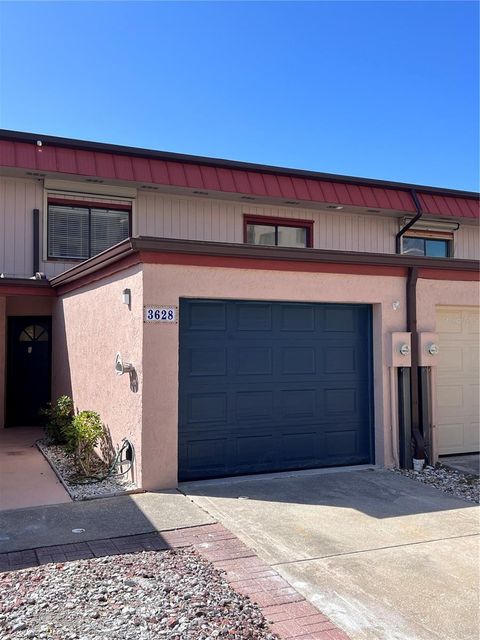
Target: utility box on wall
<point x="400" y="349"/>
<point x="428" y="349"/>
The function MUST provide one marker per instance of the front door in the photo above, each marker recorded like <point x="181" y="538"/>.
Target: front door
<point x="28" y="369"/>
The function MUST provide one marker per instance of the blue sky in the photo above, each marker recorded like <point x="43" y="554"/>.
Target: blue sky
<point x="383" y="89"/>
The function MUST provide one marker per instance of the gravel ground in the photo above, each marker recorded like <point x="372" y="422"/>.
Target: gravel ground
<point x="63" y="464"/>
<point x="460" y="485"/>
<point x="141" y="596"/>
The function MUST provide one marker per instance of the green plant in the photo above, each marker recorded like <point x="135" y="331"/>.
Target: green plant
<point x="82" y="436"/>
<point x="58" y="417"/>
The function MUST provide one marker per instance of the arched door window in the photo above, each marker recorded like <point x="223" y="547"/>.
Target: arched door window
<point x="34" y="333"/>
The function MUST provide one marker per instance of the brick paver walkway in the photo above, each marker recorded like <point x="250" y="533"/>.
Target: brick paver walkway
<point x="288" y="613"/>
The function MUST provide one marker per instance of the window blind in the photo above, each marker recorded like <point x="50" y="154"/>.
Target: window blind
<point x="82" y="232"/>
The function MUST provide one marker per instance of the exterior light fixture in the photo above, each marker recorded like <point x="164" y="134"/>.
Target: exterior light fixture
<point x="39" y="143"/>
<point x="433" y="349"/>
<point x="396" y="305"/>
<point x="127" y="297"/>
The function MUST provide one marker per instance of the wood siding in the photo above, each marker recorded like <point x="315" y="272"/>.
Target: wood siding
<point x="18" y="198"/>
<point x="171" y="216"/>
<point x="165" y="216"/>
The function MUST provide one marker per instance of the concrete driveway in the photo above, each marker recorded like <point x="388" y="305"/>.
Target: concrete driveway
<point x="382" y="555"/>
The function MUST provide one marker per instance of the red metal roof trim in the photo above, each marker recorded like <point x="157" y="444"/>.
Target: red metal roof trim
<point x="203" y="177"/>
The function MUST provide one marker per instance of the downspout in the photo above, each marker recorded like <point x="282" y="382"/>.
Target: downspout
<point x="404" y="229"/>
<point x="417" y="437"/>
<point x="418" y="442"/>
<point x="36" y="241"/>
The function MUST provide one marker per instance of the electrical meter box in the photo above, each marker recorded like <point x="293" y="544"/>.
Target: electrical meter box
<point x="400" y="349"/>
<point x="428" y="349"/>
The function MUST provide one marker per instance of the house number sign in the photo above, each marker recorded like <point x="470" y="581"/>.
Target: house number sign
<point x="152" y="313"/>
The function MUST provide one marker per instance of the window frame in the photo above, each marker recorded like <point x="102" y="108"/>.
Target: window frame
<point x="277" y="222"/>
<point x="424" y="234"/>
<point x="82" y="204"/>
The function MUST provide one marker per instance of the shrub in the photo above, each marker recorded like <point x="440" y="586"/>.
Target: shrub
<point x="58" y="418"/>
<point x="82" y="436"/>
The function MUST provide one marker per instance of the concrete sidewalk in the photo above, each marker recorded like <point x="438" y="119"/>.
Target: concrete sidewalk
<point x="26" y="478"/>
<point x="108" y="517"/>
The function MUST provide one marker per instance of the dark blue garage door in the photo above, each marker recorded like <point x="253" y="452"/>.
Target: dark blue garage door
<point x="273" y="386"/>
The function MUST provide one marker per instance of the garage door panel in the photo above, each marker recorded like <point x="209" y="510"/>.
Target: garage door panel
<point x="297" y="318"/>
<point x="451" y="359"/>
<point x="341" y="443"/>
<point x="253" y="317"/>
<point x="253" y="405"/>
<point x="298" y="360"/>
<point x="207" y="316"/>
<point x="287" y="397"/>
<point x="206" y="455"/>
<point x="340" y="360"/>
<point x="300" y="447"/>
<point x="207" y="407"/>
<point x="339" y="320"/>
<point x="207" y="361"/>
<point x="450" y="396"/>
<point x="450" y="322"/>
<point x="254" y="361"/>
<point x="298" y="403"/>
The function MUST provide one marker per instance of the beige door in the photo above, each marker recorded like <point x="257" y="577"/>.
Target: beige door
<point x="458" y="380"/>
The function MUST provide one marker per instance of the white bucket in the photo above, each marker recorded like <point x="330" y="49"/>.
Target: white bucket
<point x="418" y="464"/>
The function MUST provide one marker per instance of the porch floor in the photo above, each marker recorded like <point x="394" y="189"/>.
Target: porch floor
<point x="26" y="479"/>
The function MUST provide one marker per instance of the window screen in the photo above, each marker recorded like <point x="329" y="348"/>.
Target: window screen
<point x="82" y="232"/>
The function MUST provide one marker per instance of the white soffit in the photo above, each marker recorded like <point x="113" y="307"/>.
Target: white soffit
<point x="93" y="188"/>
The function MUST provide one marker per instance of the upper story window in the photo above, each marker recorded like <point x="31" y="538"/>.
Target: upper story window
<point x="78" y="230"/>
<point x="280" y="232"/>
<point x="434" y="245"/>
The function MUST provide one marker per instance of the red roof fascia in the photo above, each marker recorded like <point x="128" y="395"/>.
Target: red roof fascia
<point x="204" y="177"/>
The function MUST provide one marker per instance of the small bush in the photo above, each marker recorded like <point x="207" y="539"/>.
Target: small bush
<point x="82" y="436"/>
<point x="58" y="418"/>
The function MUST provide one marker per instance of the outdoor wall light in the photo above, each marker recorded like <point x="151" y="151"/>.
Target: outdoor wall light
<point x="122" y="367"/>
<point x="433" y="349"/>
<point x="127" y="297"/>
<point x="396" y="305"/>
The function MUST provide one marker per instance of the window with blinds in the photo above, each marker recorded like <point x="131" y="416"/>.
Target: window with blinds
<point x="80" y="232"/>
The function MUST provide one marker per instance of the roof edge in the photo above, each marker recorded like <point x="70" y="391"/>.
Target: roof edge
<point x="146" y="244"/>
<point x="85" y="145"/>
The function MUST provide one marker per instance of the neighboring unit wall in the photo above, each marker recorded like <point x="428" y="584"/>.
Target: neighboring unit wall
<point x="3" y="358"/>
<point x="90" y="325"/>
<point x="165" y="285"/>
<point x="445" y="294"/>
<point x="18" y="199"/>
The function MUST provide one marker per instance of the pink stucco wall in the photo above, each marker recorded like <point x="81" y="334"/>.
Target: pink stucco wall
<point x="89" y="326"/>
<point x="3" y="341"/>
<point x="166" y="284"/>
